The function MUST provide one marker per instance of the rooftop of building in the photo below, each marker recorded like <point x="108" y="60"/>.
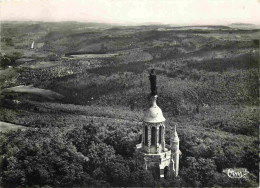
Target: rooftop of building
<point x="154" y="113"/>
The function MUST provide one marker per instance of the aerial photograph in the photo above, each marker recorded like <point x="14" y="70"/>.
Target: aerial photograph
<point x="129" y="93"/>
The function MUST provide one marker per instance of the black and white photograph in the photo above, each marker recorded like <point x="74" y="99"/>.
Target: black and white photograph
<point x="129" y="93"/>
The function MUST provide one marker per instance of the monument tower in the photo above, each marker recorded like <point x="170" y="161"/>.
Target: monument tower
<point x="157" y="157"/>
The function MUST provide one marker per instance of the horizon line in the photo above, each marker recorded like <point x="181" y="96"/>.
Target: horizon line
<point x="134" y="23"/>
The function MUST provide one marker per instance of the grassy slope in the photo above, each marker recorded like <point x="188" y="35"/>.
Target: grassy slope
<point x="195" y="66"/>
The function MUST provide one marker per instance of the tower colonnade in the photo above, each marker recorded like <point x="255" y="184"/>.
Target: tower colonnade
<point x="153" y="139"/>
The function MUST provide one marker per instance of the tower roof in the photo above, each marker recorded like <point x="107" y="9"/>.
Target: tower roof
<point x="175" y="136"/>
<point x="154" y="113"/>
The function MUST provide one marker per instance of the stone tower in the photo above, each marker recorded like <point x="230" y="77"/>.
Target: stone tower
<point x="157" y="157"/>
<point x="175" y="141"/>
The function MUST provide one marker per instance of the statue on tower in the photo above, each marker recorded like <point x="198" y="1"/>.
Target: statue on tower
<point x="153" y="83"/>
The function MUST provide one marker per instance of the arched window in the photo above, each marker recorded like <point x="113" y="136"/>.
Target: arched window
<point x="166" y="170"/>
<point x="146" y="136"/>
<point x="160" y="134"/>
<point x="153" y="141"/>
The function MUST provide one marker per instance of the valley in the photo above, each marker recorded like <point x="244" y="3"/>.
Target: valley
<point x="85" y="86"/>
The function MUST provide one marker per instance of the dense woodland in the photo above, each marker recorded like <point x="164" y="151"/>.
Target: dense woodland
<point x="208" y="85"/>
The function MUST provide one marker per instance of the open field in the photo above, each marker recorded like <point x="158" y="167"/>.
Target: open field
<point x="5" y="127"/>
<point x="32" y="90"/>
<point x="89" y="105"/>
<point x="40" y="65"/>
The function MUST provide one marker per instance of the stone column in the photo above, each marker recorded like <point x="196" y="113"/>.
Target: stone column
<point x="143" y="135"/>
<point x="163" y="137"/>
<point x="157" y="139"/>
<point x="172" y="167"/>
<point x="149" y="138"/>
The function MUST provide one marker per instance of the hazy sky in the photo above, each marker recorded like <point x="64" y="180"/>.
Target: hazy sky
<point x="133" y="11"/>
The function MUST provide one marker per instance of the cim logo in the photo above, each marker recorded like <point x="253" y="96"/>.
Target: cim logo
<point x="236" y="172"/>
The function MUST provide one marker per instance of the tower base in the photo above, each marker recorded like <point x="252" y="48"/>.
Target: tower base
<point x="159" y="164"/>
